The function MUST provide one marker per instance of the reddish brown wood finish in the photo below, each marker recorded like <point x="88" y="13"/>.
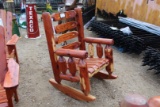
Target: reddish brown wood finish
<point x="12" y="75"/>
<point x="62" y="64"/>
<point x="72" y="53"/>
<point x="51" y="45"/>
<point x="3" y="62"/>
<point x="85" y="83"/>
<point x="9" y="68"/>
<point x="3" y="97"/>
<point x="74" y="45"/>
<point x="8" y="34"/>
<point x="66" y="36"/>
<point x="80" y="28"/>
<point x="72" y="92"/>
<point x="67" y="15"/>
<point x="80" y="67"/>
<point x="109" y="55"/>
<point x="13" y="40"/>
<point x="99" y="50"/>
<point x="99" y="40"/>
<point x="11" y="45"/>
<point x="69" y="77"/>
<point x="66" y="26"/>
<point x="72" y="66"/>
<point x="91" y="50"/>
<point x="101" y="75"/>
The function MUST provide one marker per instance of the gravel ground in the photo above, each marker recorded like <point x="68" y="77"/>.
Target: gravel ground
<point x="35" y="71"/>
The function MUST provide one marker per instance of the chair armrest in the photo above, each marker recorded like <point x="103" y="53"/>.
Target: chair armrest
<point x="72" y="53"/>
<point x="13" y="40"/>
<point x="99" y="40"/>
<point x="12" y="75"/>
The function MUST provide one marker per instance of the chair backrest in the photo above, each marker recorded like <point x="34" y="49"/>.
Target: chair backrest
<point x="55" y="35"/>
<point x="5" y="36"/>
<point x="3" y="61"/>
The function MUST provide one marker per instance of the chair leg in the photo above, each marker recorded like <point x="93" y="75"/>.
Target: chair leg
<point x="9" y="93"/>
<point x="16" y="95"/>
<point x="109" y="68"/>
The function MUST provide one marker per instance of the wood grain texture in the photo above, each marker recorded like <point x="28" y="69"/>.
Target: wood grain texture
<point x="72" y="66"/>
<point x="8" y="34"/>
<point x="80" y="28"/>
<point x="67" y="15"/>
<point x="84" y="78"/>
<point x="12" y="75"/>
<point x="66" y="26"/>
<point x="91" y="50"/>
<point x="99" y="50"/>
<point x="12" y="49"/>
<point x="13" y="40"/>
<point x="72" y="92"/>
<point x="69" y="77"/>
<point x="74" y="45"/>
<point x="10" y="92"/>
<point x="9" y="72"/>
<point x="66" y="37"/>
<point x="72" y="53"/>
<point x="137" y="9"/>
<point x="80" y="67"/>
<point x="51" y="45"/>
<point x="62" y="64"/>
<point x="101" y="75"/>
<point x="3" y="62"/>
<point x="109" y="55"/>
<point x="99" y="40"/>
<point x="3" y="97"/>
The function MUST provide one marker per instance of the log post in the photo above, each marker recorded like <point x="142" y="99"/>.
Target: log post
<point x="84" y="78"/>
<point x="109" y="55"/>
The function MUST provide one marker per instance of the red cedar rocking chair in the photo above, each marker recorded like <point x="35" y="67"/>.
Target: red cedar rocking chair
<point x="79" y="67"/>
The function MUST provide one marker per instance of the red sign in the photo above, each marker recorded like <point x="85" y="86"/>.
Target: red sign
<point x="32" y="21"/>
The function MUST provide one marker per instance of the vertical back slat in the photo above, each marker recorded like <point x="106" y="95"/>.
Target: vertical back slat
<point x="3" y="16"/>
<point x="3" y="63"/>
<point x="9" y="26"/>
<point x="72" y="66"/>
<point x="99" y="50"/>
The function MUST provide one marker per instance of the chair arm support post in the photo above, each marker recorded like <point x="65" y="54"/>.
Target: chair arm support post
<point x="109" y="55"/>
<point x="84" y="77"/>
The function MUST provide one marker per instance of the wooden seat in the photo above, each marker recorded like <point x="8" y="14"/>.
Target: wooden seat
<point x="9" y="67"/>
<point x="94" y="64"/>
<point x="73" y="62"/>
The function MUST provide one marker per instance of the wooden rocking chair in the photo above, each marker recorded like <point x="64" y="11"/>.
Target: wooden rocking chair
<point x="79" y="67"/>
